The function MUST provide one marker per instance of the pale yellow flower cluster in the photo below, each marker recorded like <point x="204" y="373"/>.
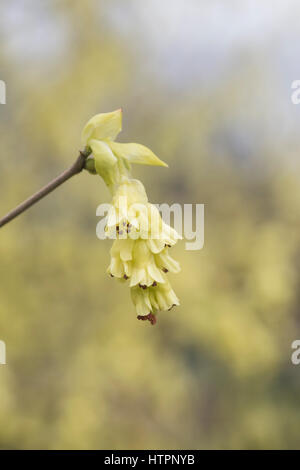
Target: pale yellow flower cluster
<point x="140" y="251"/>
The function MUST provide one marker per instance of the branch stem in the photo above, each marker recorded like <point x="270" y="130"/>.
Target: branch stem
<point x="76" y="168"/>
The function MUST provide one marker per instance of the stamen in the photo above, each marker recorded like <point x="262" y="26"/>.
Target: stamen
<point x="150" y="317"/>
<point x="165" y="270"/>
<point x="174" y="305"/>
<point x="125" y="277"/>
<point x="143" y="286"/>
<point x="154" y="284"/>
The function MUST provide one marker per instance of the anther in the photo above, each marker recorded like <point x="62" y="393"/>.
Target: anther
<point x="165" y="270"/>
<point x="150" y="317"/>
<point x="125" y="277"/>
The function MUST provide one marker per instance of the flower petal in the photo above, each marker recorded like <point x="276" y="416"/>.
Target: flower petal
<point x="126" y="249"/>
<point x="105" y="160"/>
<point x="136" y="153"/>
<point x="156" y="246"/>
<point x="155" y="273"/>
<point x="164" y="260"/>
<point x="102" y="126"/>
<point x="138" y="274"/>
<point x="141" y="300"/>
<point x="116" y="268"/>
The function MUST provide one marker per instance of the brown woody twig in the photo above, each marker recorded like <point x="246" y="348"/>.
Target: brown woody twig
<point x="76" y="168"/>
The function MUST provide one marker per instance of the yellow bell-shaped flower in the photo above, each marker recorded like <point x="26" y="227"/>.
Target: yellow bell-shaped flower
<point x="140" y="251"/>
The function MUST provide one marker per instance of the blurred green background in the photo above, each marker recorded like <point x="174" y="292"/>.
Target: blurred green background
<point x="207" y="86"/>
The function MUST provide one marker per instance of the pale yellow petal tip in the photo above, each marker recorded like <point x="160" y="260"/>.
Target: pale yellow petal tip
<point x="159" y="162"/>
<point x="136" y="153"/>
<point x="102" y="126"/>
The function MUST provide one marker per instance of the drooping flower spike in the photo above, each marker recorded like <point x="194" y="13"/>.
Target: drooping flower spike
<point x="140" y="251"/>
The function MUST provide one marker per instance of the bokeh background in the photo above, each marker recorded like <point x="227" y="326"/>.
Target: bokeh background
<point x="207" y="86"/>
